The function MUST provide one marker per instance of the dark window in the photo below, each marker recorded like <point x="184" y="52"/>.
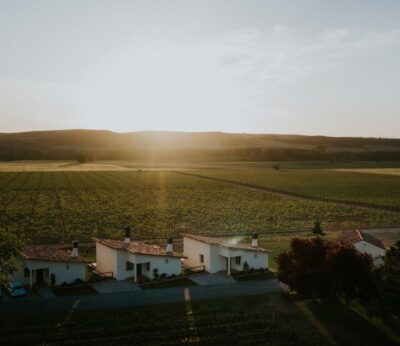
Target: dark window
<point x="255" y="255"/>
<point x="201" y="257"/>
<point x="238" y="260"/>
<point x="26" y="272"/>
<point x="129" y="266"/>
<point x="148" y="266"/>
<point x="166" y="260"/>
<point x="67" y="267"/>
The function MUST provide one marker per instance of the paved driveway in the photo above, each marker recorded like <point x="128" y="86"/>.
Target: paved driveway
<point x="205" y="279"/>
<point x="115" y="286"/>
<point x="38" y="305"/>
<point x="44" y="291"/>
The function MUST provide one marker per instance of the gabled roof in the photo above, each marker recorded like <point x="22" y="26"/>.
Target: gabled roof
<point x="230" y="243"/>
<point x="137" y="248"/>
<point x="353" y="236"/>
<point x="52" y="253"/>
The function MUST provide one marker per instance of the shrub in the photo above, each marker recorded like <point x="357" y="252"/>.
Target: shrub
<point x="52" y="279"/>
<point x="155" y="274"/>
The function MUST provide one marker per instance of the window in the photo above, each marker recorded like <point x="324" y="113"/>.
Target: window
<point x="67" y="266"/>
<point x="238" y="260"/>
<point x="255" y="255"/>
<point x="26" y="272"/>
<point x="148" y="266"/>
<point x="166" y="261"/>
<point x="201" y="258"/>
<point x="129" y="266"/>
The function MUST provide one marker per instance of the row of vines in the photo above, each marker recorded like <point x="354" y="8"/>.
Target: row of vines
<point x="60" y="206"/>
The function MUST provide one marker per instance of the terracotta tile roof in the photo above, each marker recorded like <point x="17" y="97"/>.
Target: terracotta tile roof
<point x="53" y="253"/>
<point x="135" y="247"/>
<point x="353" y="236"/>
<point x="226" y="242"/>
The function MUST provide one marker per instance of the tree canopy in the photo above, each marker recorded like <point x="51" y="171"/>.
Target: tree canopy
<point x="10" y="248"/>
<point x="317" y="269"/>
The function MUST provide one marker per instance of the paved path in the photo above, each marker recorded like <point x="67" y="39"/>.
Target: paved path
<point x="38" y="305"/>
<point x="205" y="279"/>
<point x="44" y="291"/>
<point x="115" y="286"/>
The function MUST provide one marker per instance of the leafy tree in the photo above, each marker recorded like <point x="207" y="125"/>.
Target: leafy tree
<point x="10" y="248"/>
<point x="350" y="273"/>
<point x="317" y="228"/>
<point x="387" y="279"/>
<point x="319" y="270"/>
<point x="302" y="268"/>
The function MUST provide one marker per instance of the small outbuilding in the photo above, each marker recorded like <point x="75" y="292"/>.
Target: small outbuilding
<point x="223" y="254"/>
<point x="123" y="259"/>
<point x="50" y="264"/>
<point x="364" y="242"/>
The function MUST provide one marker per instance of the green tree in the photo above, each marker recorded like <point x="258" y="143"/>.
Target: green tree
<point x="387" y="279"/>
<point x="10" y="248"/>
<point x="317" y="228"/>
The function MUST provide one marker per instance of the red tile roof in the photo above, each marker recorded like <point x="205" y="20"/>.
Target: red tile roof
<point x="230" y="243"/>
<point x="52" y="253"/>
<point x="353" y="236"/>
<point x="135" y="247"/>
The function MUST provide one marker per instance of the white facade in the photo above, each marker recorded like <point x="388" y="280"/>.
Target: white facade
<point x="375" y="251"/>
<point x="122" y="264"/>
<point x="216" y="258"/>
<point x="31" y="272"/>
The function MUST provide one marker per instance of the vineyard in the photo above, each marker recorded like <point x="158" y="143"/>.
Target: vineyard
<point x="224" y="322"/>
<point x="60" y="206"/>
<point x="371" y="189"/>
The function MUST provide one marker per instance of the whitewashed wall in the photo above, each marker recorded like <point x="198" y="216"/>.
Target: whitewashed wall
<point x="374" y="251"/>
<point x="64" y="271"/>
<point x="192" y="249"/>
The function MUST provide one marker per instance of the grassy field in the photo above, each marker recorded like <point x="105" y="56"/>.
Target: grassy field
<point x="273" y="319"/>
<point x="60" y="206"/>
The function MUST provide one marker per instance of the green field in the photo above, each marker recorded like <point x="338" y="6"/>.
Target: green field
<point x="60" y="206"/>
<point x="380" y="190"/>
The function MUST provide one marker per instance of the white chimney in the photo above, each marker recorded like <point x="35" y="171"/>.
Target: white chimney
<point x="254" y="240"/>
<point x="170" y="247"/>
<point x="75" y="249"/>
<point x="127" y="234"/>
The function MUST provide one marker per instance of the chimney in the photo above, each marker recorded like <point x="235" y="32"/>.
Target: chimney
<point x="170" y="247"/>
<point x="254" y="240"/>
<point x="127" y="234"/>
<point x="74" y="248"/>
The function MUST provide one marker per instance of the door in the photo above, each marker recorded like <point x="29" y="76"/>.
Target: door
<point x="139" y="270"/>
<point x="39" y="276"/>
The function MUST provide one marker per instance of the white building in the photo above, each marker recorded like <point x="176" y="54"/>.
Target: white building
<point x="365" y="243"/>
<point x="123" y="259"/>
<point x="222" y="254"/>
<point x="47" y="263"/>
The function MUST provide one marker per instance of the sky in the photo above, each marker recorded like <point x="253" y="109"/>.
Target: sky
<point x="300" y="67"/>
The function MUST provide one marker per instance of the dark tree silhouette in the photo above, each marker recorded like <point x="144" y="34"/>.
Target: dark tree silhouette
<point x="350" y="273"/>
<point x="302" y="268"/>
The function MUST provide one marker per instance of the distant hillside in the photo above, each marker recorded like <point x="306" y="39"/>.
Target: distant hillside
<point x="108" y="145"/>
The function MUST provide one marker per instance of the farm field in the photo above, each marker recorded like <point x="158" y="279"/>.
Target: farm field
<point x="61" y="206"/>
<point x="379" y="190"/>
<point x="272" y="319"/>
<point x="388" y="171"/>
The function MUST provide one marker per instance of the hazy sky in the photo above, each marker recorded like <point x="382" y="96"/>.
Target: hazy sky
<point x="310" y="67"/>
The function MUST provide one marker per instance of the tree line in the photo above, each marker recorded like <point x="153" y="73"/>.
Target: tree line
<point x="319" y="153"/>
